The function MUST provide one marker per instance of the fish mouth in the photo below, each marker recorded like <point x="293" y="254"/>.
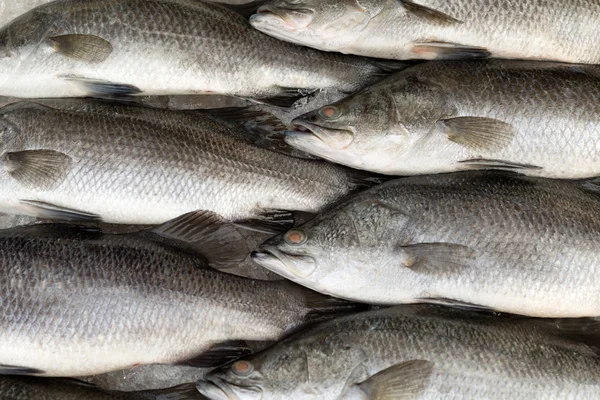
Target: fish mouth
<point x="288" y="18"/>
<point x="338" y="139"/>
<point x="283" y="264"/>
<point x="216" y="389"/>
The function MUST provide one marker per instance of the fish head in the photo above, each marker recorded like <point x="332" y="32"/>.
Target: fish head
<point x="336" y="247"/>
<point x="327" y="25"/>
<point x="372" y="129"/>
<point x="274" y="373"/>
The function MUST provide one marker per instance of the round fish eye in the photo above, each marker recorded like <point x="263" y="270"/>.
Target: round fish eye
<point x="242" y="368"/>
<point x="329" y="112"/>
<point x="295" y="237"/>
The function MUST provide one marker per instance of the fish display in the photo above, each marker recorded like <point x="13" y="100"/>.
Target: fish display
<point x="478" y="239"/>
<point x="414" y="352"/>
<point x="80" y="48"/>
<point x="540" y="119"/>
<point x="34" y="388"/>
<point x="133" y="165"/>
<point x="79" y="302"/>
<point x="434" y="29"/>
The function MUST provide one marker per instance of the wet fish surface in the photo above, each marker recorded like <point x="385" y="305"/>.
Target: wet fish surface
<point x="540" y="119"/>
<point x="34" y="388"/>
<point x="79" y="48"/>
<point x="79" y="302"/>
<point x="480" y="239"/>
<point x="414" y="352"/>
<point x="436" y="29"/>
<point x="127" y="164"/>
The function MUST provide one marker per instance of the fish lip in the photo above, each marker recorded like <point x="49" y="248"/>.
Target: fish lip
<point x="308" y="129"/>
<point x="278" y="262"/>
<point x="267" y="13"/>
<point x="214" y="386"/>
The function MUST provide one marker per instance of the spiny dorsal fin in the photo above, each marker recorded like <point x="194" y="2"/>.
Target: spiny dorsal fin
<point x="217" y="240"/>
<point x="479" y="133"/>
<point x="88" y="48"/>
<point x="37" y="169"/>
<point x="404" y="381"/>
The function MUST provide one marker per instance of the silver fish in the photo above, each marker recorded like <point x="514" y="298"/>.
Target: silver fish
<point x="487" y="240"/>
<point x="77" y="48"/>
<point x="78" y="302"/>
<point x="541" y="119"/>
<point x="34" y="388"/>
<point x="415" y="352"/>
<point x="79" y="159"/>
<point x="437" y="29"/>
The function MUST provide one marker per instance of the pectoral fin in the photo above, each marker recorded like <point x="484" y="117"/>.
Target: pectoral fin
<point x="482" y="163"/>
<point x="437" y="258"/>
<point x="219" y="354"/>
<point x="448" y="51"/>
<point x="18" y="370"/>
<point x="88" y="48"/>
<point x="45" y="210"/>
<point x="217" y="240"/>
<point x="404" y="381"/>
<point x="37" y="169"/>
<point x="478" y="133"/>
<point x="97" y="87"/>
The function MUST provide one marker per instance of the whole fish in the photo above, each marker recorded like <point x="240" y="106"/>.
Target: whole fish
<point x="437" y="29"/>
<point x="541" y="119"/>
<point x="76" y="302"/>
<point x="415" y="352"/>
<point x="34" y="388"/>
<point x="78" y="48"/>
<point x="127" y="164"/>
<point x="477" y="239"/>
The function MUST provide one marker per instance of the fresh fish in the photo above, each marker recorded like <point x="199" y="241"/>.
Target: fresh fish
<point x="478" y="239"/>
<point x="79" y="159"/>
<point x="437" y="29"/>
<point x="540" y="119"/>
<point x="79" y="302"/>
<point x="34" y="388"/>
<point x="415" y="352"/>
<point x="78" y="48"/>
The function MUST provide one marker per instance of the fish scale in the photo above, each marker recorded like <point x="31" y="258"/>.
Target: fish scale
<point x="473" y="357"/>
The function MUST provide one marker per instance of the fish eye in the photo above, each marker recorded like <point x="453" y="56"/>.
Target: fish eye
<point x="329" y="112"/>
<point x="242" y="368"/>
<point x="295" y="237"/>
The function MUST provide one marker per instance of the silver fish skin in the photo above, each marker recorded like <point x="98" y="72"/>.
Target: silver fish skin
<point x="78" y="48"/>
<point x="414" y="352"/>
<point x="540" y="119"/>
<point x="133" y="165"/>
<point x="437" y="29"/>
<point x="79" y="302"/>
<point x="496" y="241"/>
<point x="34" y="388"/>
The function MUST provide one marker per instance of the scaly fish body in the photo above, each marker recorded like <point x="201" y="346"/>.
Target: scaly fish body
<point x="498" y="241"/>
<point x="77" y="48"/>
<point x="144" y="166"/>
<point x="78" y="302"/>
<point x="422" y="353"/>
<point x="436" y="29"/>
<point x="541" y="119"/>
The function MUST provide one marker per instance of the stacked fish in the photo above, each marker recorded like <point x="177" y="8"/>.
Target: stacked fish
<point x="274" y="242"/>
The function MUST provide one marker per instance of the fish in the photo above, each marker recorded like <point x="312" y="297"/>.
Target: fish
<point x="414" y="352"/>
<point x="94" y="160"/>
<point x="539" y="119"/>
<point x="483" y="240"/>
<point x="435" y="29"/>
<point x="98" y="48"/>
<point x="77" y="301"/>
<point x="35" y="388"/>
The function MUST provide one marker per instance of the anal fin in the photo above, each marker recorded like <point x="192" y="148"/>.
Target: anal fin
<point x="271" y="222"/>
<point x="463" y="305"/>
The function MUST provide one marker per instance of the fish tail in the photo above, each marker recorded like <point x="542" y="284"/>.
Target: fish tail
<point x="322" y="307"/>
